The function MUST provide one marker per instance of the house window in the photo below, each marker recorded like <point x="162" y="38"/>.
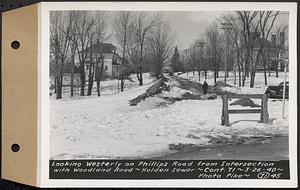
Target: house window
<point x="106" y="67"/>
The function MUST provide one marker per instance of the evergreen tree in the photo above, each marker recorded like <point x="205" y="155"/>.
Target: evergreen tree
<point x="175" y="64"/>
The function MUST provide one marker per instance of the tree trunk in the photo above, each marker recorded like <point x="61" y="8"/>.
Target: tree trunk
<point x="276" y="69"/>
<point x="82" y="80"/>
<point x="98" y="87"/>
<point x="243" y="74"/>
<point x="239" y="68"/>
<point x="140" y="75"/>
<point x="199" y="74"/>
<point x="122" y="84"/>
<point x="59" y="82"/>
<point x="72" y="81"/>
<point x="215" y="76"/>
<point x="252" y="76"/>
<point x="253" y="68"/>
<point x="244" y="79"/>
<point x="90" y="80"/>
<point x="122" y="80"/>
<point x="141" y="78"/>
<point x="252" y="79"/>
<point x="234" y="82"/>
<point x="72" y="75"/>
<point x="215" y="68"/>
<point x="98" y="74"/>
<point x="265" y="65"/>
<point x="247" y="72"/>
<point x="72" y="68"/>
<point x="55" y="85"/>
<point x="58" y="87"/>
<point x="89" y="92"/>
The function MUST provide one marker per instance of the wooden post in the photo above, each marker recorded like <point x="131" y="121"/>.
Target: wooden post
<point x="264" y="115"/>
<point x="222" y="117"/>
<point x="265" y="109"/>
<point x="225" y="110"/>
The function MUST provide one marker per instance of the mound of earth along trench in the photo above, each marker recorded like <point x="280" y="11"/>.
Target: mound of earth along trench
<point x="171" y="89"/>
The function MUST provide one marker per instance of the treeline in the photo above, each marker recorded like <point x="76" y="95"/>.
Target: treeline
<point x="141" y="38"/>
<point x="239" y="42"/>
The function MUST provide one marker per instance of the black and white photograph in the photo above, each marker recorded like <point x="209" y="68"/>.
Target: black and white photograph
<point x="169" y="85"/>
<point x="150" y="94"/>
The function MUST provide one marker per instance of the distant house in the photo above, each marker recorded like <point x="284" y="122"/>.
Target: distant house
<point x="282" y="49"/>
<point x="112" y="62"/>
<point x="111" y="67"/>
<point x="270" y="47"/>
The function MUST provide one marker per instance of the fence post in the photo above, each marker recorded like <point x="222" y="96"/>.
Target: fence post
<point x="265" y="109"/>
<point x="226" y="115"/>
<point x="223" y="117"/>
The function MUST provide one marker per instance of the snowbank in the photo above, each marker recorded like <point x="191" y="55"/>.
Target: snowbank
<point x="108" y="127"/>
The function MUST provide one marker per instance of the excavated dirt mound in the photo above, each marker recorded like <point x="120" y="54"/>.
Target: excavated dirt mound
<point x="245" y="102"/>
<point x="173" y="89"/>
<point x="220" y="88"/>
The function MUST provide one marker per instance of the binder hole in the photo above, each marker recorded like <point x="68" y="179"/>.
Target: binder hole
<point x="15" y="148"/>
<point x="15" y="45"/>
<point x="10" y="5"/>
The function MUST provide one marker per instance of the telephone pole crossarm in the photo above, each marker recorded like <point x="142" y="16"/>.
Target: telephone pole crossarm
<point x="226" y="27"/>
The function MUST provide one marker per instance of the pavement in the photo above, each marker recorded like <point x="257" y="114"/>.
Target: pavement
<point x="272" y="149"/>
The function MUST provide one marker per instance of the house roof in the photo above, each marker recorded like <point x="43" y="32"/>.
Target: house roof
<point x="266" y="43"/>
<point x="101" y="47"/>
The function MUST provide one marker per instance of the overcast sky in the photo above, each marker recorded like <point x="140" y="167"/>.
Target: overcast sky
<point x="189" y="26"/>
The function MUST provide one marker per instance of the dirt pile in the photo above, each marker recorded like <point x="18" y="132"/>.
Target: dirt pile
<point x="172" y="89"/>
<point x="245" y="102"/>
<point x="156" y="88"/>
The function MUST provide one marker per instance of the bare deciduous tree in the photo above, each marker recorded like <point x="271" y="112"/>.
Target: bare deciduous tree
<point x="101" y="35"/>
<point x="85" y="26"/>
<point x="266" y="23"/>
<point x="250" y="34"/>
<point x="161" y="44"/>
<point x="281" y="34"/>
<point x="143" y="26"/>
<point x="123" y="27"/>
<point x="214" y="43"/>
<point x="60" y="30"/>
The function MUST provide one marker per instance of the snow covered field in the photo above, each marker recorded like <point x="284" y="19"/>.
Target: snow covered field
<point x="107" y="127"/>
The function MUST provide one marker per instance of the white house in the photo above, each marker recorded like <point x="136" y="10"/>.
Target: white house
<point x="112" y="62"/>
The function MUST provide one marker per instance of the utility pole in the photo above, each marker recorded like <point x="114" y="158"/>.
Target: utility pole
<point x="226" y="27"/>
<point x="186" y="61"/>
<point x="284" y="89"/>
<point x="201" y="45"/>
<point x="118" y="71"/>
